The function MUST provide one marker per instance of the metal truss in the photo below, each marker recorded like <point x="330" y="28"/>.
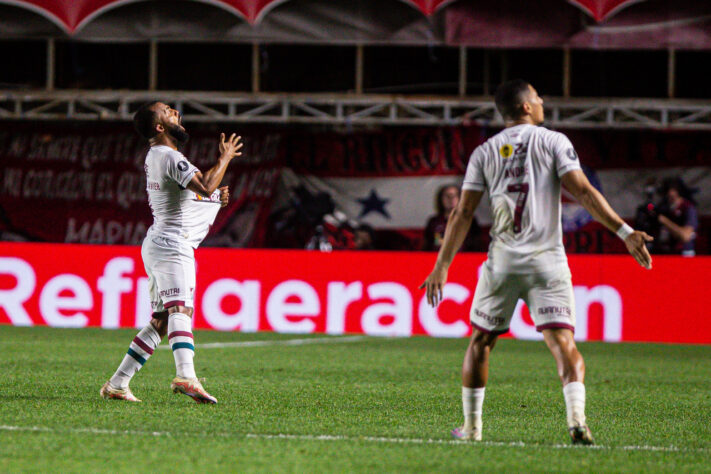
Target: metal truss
<point x="349" y="109"/>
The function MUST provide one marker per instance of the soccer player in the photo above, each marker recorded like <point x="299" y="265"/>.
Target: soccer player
<point x="522" y="168"/>
<point x="184" y="203"/>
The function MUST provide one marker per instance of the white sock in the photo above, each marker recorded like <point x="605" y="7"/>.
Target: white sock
<point x="140" y="349"/>
<point x="472" y="403"/>
<point x="574" y="394"/>
<point x="180" y="338"/>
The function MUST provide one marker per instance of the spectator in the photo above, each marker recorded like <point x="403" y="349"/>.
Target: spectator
<point x="678" y="219"/>
<point x="446" y="200"/>
<point x="364" y="237"/>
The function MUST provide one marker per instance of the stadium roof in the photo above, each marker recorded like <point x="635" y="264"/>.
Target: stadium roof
<point x="71" y="15"/>
<point x="649" y="24"/>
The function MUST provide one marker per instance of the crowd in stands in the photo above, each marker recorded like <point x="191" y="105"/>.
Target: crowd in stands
<point x="668" y="213"/>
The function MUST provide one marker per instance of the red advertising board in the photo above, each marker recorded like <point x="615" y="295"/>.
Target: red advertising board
<point x="373" y="293"/>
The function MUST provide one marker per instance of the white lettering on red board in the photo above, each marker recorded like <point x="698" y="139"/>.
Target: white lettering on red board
<point x="291" y="306"/>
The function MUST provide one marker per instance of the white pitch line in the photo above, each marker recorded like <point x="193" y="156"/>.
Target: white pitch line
<point x="371" y="439"/>
<point x="277" y="342"/>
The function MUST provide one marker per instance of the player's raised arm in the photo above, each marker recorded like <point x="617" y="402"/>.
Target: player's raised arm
<point x="457" y="228"/>
<point x="595" y="203"/>
<point x="205" y="184"/>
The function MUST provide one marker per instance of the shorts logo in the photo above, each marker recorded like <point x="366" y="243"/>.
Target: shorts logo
<point x="506" y="150"/>
<point x="183" y="166"/>
<point x="495" y="320"/>
<point x="554" y="310"/>
<point x="170" y="292"/>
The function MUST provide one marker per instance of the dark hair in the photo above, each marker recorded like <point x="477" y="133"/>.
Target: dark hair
<point x="144" y="120"/>
<point x="368" y="229"/>
<point x="440" y="193"/>
<point x="681" y="187"/>
<point x="510" y="95"/>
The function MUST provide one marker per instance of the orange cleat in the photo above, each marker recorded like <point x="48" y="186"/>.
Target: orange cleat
<point x="108" y="392"/>
<point x="193" y="389"/>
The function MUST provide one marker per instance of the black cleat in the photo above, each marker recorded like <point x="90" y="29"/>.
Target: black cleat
<point x="581" y="435"/>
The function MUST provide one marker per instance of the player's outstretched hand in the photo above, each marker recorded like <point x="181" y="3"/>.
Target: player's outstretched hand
<point x="434" y="284"/>
<point x="635" y="243"/>
<point x="224" y="195"/>
<point x="232" y="146"/>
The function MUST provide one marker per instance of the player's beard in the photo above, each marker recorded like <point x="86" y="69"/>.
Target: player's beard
<point x="178" y="134"/>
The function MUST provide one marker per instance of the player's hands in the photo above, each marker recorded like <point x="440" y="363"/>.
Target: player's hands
<point x="636" y="246"/>
<point x="224" y="195"/>
<point x="230" y="147"/>
<point x="434" y="284"/>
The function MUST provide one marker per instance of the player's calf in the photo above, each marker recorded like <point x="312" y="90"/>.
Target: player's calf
<point x="139" y="351"/>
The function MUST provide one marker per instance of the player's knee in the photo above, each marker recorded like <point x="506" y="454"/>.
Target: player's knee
<point x="160" y="323"/>
<point x="481" y="339"/>
<point x="560" y="340"/>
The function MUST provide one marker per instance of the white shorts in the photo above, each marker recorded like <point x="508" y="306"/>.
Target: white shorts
<point x="170" y="266"/>
<point x="549" y="297"/>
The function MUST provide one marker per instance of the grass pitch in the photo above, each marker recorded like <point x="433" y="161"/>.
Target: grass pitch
<point x="360" y="405"/>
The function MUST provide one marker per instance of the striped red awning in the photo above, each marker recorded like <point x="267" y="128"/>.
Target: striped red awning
<point x="602" y="9"/>
<point x="71" y="15"/>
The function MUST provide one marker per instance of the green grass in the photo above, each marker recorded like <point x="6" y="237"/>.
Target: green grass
<point x="658" y="396"/>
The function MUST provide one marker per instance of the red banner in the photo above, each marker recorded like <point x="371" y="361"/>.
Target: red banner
<point x="373" y="293"/>
<point x="84" y="183"/>
<point x="80" y="184"/>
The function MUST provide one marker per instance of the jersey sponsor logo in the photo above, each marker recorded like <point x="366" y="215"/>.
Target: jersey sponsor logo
<point x="506" y="150"/>
<point x="215" y="197"/>
<point x="183" y="166"/>
<point x="555" y="310"/>
<point x="170" y="292"/>
<point x="153" y="186"/>
<point x="572" y="154"/>
<point x="495" y="320"/>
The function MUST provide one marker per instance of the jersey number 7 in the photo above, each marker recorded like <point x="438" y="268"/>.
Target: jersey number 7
<point x="522" y="190"/>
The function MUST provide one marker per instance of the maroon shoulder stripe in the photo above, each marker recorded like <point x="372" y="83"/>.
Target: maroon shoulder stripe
<point x="180" y="334"/>
<point x="142" y="345"/>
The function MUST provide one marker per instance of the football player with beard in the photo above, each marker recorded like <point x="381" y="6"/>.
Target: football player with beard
<point x="184" y="203"/>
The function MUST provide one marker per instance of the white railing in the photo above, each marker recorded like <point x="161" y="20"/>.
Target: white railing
<point x="347" y="109"/>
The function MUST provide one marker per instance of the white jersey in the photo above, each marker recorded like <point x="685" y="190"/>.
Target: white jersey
<point x="521" y="168"/>
<point x="178" y="213"/>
